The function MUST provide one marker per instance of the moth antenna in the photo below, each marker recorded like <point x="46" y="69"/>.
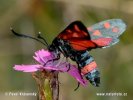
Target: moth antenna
<point x="40" y="37"/>
<point x="26" y="36"/>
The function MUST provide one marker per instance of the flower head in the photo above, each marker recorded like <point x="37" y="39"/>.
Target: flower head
<point x="47" y="61"/>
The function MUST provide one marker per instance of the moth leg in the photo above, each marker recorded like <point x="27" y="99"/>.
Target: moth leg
<point x="68" y="64"/>
<point x="77" y="87"/>
<point x="58" y="57"/>
<point x="80" y="76"/>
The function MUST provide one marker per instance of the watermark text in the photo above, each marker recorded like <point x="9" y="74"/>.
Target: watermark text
<point x="111" y="94"/>
<point x="20" y="94"/>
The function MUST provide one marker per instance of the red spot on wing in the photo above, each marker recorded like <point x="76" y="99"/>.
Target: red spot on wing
<point x="75" y="34"/>
<point x="88" y="68"/>
<point x="80" y="45"/>
<point x="115" y="29"/>
<point x="101" y="42"/>
<point x="69" y="31"/>
<point x="97" y="33"/>
<point x="89" y="29"/>
<point x="64" y="37"/>
<point x="84" y="33"/>
<point x="76" y="28"/>
<point x="107" y="25"/>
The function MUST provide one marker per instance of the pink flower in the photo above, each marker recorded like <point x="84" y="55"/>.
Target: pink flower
<point x="46" y="62"/>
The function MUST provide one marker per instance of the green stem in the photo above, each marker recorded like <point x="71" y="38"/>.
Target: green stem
<point x="48" y="92"/>
<point x="48" y="85"/>
<point x="55" y="86"/>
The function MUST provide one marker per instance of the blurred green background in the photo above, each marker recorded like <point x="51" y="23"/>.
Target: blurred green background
<point x="50" y="17"/>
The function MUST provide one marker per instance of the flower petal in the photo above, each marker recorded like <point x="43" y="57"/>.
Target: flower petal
<point x="42" y="56"/>
<point x="38" y="59"/>
<point x="27" y="68"/>
<point x="77" y="75"/>
<point x="73" y="71"/>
